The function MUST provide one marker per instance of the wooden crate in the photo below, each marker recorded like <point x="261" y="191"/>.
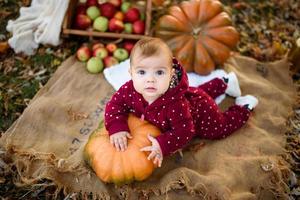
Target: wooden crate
<point x="67" y="28"/>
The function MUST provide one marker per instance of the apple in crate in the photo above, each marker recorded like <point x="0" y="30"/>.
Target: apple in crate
<point x="115" y="25"/>
<point x="82" y="21"/>
<point x="132" y="15"/>
<point x="138" y="27"/>
<point x="100" y="52"/>
<point x="107" y="10"/>
<point x="100" y="24"/>
<point x="111" y="47"/>
<point x="94" y="65"/>
<point x="128" y="27"/>
<point x="83" y="53"/>
<point x="128" y="46"/>
<point x="110" y="61"/>
<point x="121" y="54"/>
<point x="93" y="12"/>
<point x="81" y="9"/>
<point x="116" y="3"/>
<point x="119" y="15"/>
<point x="91" y="3"/>
<point x="97" y="45"/>
<point x="125" y="6"/>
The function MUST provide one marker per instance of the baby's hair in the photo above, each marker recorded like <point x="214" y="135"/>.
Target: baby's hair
<point x="150" y="46"/>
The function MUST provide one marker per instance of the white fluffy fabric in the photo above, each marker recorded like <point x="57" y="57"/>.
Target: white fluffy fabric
<point x="38" y="24"/>
<point x="118" y="74"/>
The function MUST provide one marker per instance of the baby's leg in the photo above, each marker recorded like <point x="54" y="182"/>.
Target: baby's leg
<point x="227" y="85"/>
<point x="212" y="123"/>
<point x="214" y="88"/>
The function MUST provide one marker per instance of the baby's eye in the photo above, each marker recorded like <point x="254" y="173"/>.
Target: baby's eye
<point x="141" y="72"/>
<point x="160" y="72"/>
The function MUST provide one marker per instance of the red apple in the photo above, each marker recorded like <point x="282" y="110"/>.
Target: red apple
<point x="83" y="53"/>
<point x="110" y="61"/>
<point x="100" y="52"/>
<point x="116" y="3"/>
<point x="107" y="10"/>
<point x="111" y="47"/>
<point x="138" y="27"/>
<point x="82" y="21"/>
<point x="128" y="46"/>
<point x="119" y="15"/>
<point x="91" y="3"/>
<point x="115" y="25"/>
<point x="81" y="9"/>
<point x="97" y="45"/>
<point x="132" y="15"/>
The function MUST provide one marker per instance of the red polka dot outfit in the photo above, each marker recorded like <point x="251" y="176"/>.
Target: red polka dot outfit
<point x="181" y="113"/>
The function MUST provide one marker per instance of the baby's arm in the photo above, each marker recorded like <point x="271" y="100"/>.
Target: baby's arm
<point x="182" y="128"/>
<point x="116" y="115"/>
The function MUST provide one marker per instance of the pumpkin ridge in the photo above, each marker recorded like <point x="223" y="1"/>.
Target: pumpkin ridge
<point x="218" y="51"/>
<point x="183" y="54"/>
<point x="129" y="168"/>
<point x="203" y="58"/>
<point x="227" y="35"/>
<point x="221" y="19"/>
<point x="192" y="22"/>
<point x="102" y="154"/>
<point x="172" y="24"/>
<point x="116" y="172"/>
<point x="171" y="11"/>
<point x="214" y="8"/>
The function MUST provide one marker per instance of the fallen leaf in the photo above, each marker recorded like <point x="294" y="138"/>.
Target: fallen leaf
<point x="3" y="47"/>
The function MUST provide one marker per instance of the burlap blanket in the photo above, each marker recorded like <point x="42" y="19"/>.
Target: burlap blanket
<point x="46" y="142"/>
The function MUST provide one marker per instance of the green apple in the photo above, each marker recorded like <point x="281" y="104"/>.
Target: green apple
<point x="128" y="27"/>
<point x="93" y="12"/>
<point x="125" y="6"/>
<point x="101" y="24"/>
<point x="121" y="54"/>
<point x="94" y="65"/>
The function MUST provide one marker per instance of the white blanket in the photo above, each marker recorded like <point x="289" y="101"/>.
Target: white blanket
<point x="118" y="74"/>
<point x="38" y="24"/>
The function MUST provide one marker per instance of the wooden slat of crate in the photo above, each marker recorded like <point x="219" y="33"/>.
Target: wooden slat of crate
<point x="68" y="30"/>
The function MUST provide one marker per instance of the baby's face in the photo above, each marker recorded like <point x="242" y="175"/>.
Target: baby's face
<point x="151" y="76"/>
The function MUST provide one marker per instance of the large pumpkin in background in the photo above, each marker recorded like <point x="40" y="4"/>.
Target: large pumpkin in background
<point x="199" y="33"/>
<point x="116" y="167"/>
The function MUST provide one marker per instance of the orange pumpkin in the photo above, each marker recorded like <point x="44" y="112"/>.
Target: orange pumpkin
<point x="116" y="167"/>
<point x="199" y="33"/>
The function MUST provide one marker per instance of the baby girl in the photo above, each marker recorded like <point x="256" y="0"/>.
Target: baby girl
<point x="159" y="93"/>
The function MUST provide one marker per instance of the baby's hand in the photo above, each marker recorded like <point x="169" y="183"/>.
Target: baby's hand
<point x="155" y="151"/>
<point x="119" y="140"/>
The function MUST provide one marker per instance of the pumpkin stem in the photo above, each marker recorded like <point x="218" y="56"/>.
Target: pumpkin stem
<point x="196" y="32"/>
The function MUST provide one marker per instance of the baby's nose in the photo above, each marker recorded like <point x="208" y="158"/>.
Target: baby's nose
<point x="150" y="79"/>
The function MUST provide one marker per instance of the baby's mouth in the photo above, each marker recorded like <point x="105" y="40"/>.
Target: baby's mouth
<point x="150" y="89"/>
